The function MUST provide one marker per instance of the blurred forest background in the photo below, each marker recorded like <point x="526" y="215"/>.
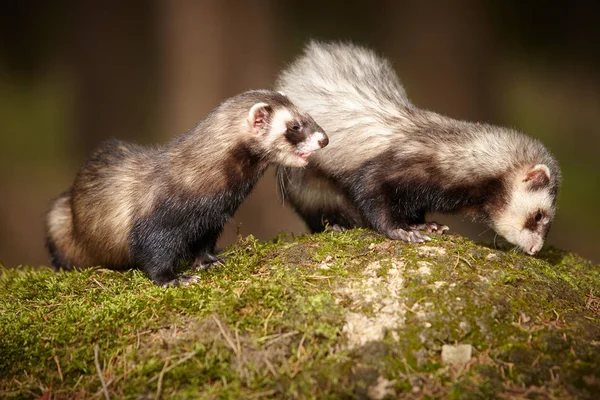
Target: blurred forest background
<point x="74" y="73"/>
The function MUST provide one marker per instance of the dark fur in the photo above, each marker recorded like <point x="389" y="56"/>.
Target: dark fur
<point x="385" y="199"/>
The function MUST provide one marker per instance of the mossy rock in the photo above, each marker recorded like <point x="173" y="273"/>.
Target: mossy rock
<point x="333" y="315"/>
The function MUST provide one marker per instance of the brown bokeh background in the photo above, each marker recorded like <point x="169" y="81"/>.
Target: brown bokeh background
<point x="74" y="73"/>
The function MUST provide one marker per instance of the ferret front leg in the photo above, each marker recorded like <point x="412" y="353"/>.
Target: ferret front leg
<point x="158" y="261"/>
<point x="378" y="213"/>
<point x="207" y="260"/>
<point x="204" y="251"/>
<point x="162" y="272"/>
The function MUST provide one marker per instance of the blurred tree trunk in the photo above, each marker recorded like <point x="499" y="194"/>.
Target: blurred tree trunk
<point x="114" y="68"/>
<point x="442" y="53"/>
<point x="192" y="47"/>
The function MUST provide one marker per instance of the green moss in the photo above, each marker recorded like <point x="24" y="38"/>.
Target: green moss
<point x="272" y="322"/>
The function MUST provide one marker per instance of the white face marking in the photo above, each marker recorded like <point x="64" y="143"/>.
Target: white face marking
<point x="279" y="124"/>
<point x="511" y="221"/>
<point x="311" y="144"/>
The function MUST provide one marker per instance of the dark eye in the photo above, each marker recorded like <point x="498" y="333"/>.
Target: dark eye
<point x="538" y="216"/>
<point x="295" y="128"/>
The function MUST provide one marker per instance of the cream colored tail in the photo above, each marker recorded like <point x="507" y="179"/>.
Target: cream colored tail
<point x="65" y="251"/>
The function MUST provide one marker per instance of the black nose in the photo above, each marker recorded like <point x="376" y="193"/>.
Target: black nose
<point x="324" y="142"/>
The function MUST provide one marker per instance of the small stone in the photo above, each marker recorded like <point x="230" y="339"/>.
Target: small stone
<point x="389" y="309"/>
<point x="381" y="389"/>
<point x="492" y="257"/>
<point x="424" y="268"/>
<point x="464" y="326"/>
<point x="431" y="251"/>
<point x="456" y="355"/>
<point x="326" y="263"/>
<point x="439" y="284"/>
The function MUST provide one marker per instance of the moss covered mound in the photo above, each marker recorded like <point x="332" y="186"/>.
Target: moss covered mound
<point x="333" y="315"/>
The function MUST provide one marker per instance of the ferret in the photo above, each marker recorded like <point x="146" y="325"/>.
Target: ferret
<point x="151" y="208"/>
<point x="390" y="162"/>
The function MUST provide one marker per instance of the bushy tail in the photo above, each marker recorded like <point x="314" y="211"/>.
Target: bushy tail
<point x="343" y="82"/>
<point x="61" y="243"/>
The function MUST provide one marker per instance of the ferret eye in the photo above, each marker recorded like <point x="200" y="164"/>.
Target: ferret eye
<point x="538" y="216"/>
<point x="295" y="128"/>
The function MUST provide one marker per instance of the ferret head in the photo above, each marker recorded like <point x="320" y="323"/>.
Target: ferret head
<point x="284" y="134"/>
<point x="526" y="218"/>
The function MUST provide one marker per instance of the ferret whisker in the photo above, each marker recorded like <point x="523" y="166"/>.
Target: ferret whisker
<point x="280" y="181"/>
<point x="486" y="230"/>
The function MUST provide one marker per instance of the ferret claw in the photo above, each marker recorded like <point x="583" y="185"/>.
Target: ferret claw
<point x="187" y="280"/>
<point x="182" y="280"/>
<point x="336" y="228"/>
<point x="206" y="261"/>
<point x="409" y="236"/>
<point x="431" y="227"/>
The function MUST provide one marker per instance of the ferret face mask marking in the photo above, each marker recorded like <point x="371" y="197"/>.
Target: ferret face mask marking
<point x="527" y="218"/>
<point x="306" y="136"/>
<point x="288" y="137"/>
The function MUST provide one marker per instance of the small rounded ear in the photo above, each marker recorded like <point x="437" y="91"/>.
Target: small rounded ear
<point x="281" y="93"/>
<point x="538" y="176"/>
<point x="257" y="116"/>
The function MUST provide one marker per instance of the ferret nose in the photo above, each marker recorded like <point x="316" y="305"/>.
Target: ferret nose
<point x="533" y="250"/>
<point x="324" y="142"/>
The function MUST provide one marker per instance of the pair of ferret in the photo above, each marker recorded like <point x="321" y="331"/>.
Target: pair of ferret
<point x="388" y="164"/>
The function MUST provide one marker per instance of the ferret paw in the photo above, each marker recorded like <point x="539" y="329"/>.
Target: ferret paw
<point x="409" y="236"/>
<point x="206" y="261"/>
<point x="431" y="227"/>
<point x="182" y="280"/>
<point x="335" y="228"/>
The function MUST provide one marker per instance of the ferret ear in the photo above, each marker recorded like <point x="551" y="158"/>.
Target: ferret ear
<point x="281" y="93"/>
<point x="257" y="117"/>
<point x="538" y="176"/>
